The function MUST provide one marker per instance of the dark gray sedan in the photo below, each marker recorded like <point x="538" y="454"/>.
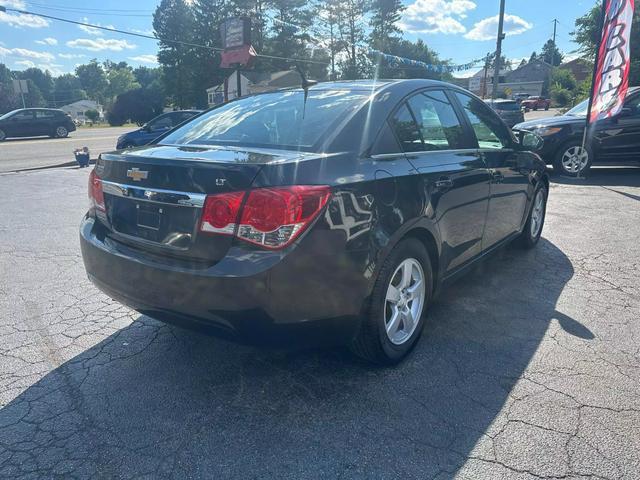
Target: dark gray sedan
<point x="509" y="110"/>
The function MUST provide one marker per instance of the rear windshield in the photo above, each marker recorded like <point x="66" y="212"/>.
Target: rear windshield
<point x="272" y="120"/>
<point x="506" y="106"/>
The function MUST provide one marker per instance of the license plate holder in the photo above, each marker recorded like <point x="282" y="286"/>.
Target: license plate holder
<point x="148" y="216"/>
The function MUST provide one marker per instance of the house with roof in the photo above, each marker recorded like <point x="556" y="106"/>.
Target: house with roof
<point x="78" y="109"/>
<point x="252" y="82"/>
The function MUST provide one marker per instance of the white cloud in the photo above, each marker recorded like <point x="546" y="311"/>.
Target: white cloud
<point x="25" y="63"/>
<point x="436" y="16"/>
<point x="99" y="44"/>
<point x="151" y="59"/>
<point x="71" y="55"/>
<point x="22" y="20"/>
<point x="47" y="41"/>
<point x="19" y="4"/>
<point x="91" y="30"/>
<point x="24" y="53"/>
<point x="487" y="29"/>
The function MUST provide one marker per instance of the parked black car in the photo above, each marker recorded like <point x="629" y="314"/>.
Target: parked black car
<point x="508" y="110"/>
<point x="614" y="140"/>
<point x="154" y="128"/>
<point x="35" y="122"/>
<point x="328" y="218"/>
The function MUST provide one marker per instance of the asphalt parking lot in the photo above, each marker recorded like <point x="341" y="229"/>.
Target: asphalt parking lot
<point x="529" y="366"/>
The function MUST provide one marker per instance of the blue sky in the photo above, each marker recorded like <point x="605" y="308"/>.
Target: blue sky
<point x="460" y="30"/>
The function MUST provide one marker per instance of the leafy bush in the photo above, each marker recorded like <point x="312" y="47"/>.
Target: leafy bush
<point x="561" y="96"/>
<point x="139" y="106"/>
<point x="92" y="115"/>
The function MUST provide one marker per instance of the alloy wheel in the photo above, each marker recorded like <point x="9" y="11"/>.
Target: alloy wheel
<point x="404" y="301"/>
<point x="575" y="159"/>
<point x="61" y="132"/>
<point x="537" y="214"/>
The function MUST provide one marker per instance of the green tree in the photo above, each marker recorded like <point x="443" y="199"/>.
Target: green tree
<point x="385" y="15"/>
<point x="67" y="89"/>
<point x="145" y="76"/>
<point x="351" y="28"/>
<point x="138" y="106"/>
<point x="93" y="80"/>
<point x="587" y="35"/>
<point x="34" y="97"/>
<point x="92" y="115"/>
<point x="173" y="20"/>
<point x="551" y="54"/>
<point x="292" y="19"/>
<point x="41" y="79"/>
<point x="416" y="51"/>
<point x="121" y="80"/>
<point x="8" y="99"/>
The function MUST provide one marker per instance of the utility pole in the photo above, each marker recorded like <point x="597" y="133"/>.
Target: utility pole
<point x="497" y="66"/>
<point x="553" y="53"/>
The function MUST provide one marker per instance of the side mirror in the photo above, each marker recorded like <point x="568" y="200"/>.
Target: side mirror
<point x="530" y="141"/>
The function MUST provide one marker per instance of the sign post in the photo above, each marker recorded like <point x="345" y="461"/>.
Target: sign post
<point x="238" y="51"/>
<point x="21" y="87"/>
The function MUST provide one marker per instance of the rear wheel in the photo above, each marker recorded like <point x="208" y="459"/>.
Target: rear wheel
<point x="547" y="106"/>
<point x="401" y="294"/>
<point x="3" y="136"/>
<point x="61" y="132"/>
<point x="572" y="159"/>
<point x="533" y="228"/>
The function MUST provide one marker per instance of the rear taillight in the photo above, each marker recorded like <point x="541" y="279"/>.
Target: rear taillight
<point x="96" y="196"/>
<point x="270" y="217"/>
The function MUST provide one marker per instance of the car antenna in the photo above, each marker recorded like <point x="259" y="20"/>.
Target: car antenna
<point x="305" y="84"/>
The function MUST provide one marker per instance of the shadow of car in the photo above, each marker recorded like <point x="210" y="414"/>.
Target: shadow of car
<point x="160" y="401"/>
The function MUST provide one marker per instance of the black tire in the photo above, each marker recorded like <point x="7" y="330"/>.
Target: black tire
<point x="560" y="168"/>
<point x="3" y="136"/>
<point x="61" y="132"/>
<point x="372" y="342"/>
<point x="528" y="239"/>
<point x="547" y="107"/>
<point x="535" y="108"/>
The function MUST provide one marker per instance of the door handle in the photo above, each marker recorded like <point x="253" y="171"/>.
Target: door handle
<point x="444" y="183"/>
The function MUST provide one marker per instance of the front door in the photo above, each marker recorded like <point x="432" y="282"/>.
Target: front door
<point x="21" y="124"/>
<point x="453" y="178"/>
<point x="619" y="137"/>
<point x="510" y="185"/>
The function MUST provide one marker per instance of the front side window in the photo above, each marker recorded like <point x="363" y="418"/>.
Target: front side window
<point x="28" y="115"/>
<point x="160" y="123"/>
<point x="489" y="130"/>
<point x="437" y="121"/>
<point x="272" y="120"/>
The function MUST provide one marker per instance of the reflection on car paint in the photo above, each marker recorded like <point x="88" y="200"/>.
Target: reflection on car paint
<point x="350" y="213"/>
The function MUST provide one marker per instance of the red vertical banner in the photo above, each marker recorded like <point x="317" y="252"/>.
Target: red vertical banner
<point x="611" y="79"/>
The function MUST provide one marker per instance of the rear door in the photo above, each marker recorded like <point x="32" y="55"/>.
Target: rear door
<point x="620" y="137"/>
<point x="43" y="122"/>
<point x="510" y="185"/>
<point x="453" y="177"/>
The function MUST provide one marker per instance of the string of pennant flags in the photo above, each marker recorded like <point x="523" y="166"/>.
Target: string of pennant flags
<point x="398" y="62"/>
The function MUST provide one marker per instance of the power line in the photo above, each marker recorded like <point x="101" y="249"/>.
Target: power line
<point x="153" y="37"/>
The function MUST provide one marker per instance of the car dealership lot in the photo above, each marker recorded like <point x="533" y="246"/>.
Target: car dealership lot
<point x="28" y="153"/>
<point x="530" y="365"/>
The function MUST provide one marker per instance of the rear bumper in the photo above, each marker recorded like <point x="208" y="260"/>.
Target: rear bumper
<point x="256" y="297"/>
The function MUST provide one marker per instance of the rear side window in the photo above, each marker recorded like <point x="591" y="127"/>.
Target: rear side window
<point x="437" y="121"/>
<point x="406" y="130"/>
<point x="489" y="129"/>
<point x="26" y="115"/>
<point x="44" y="114"/>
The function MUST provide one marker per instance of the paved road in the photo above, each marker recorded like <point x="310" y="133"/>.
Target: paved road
<point x="19" y="154"/>
<point x="537" y="114"/>
<point x="529" y="367"/>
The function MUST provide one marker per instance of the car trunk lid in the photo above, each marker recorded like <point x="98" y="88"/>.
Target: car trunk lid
<point x="154" y="195"/>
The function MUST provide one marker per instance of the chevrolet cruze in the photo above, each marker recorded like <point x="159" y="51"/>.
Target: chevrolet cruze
<point x="332" y="214"/>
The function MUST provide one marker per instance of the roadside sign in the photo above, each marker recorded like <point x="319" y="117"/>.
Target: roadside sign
<point x="236" y="32"/>
<point x="508" y="91"/>
<point x="20" y="86"/>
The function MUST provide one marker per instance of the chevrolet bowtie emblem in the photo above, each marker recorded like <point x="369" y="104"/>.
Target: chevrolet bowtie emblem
<point x="136" y="174"/>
